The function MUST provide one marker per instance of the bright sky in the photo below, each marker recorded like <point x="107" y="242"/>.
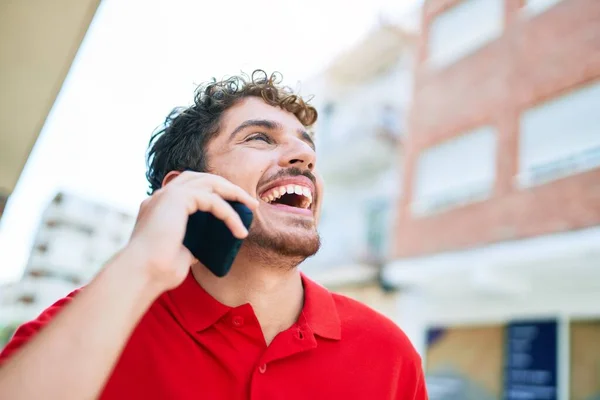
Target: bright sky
<point x="140" y="58"/>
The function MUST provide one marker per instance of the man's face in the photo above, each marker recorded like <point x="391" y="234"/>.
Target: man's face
<point x="266" y="151"/>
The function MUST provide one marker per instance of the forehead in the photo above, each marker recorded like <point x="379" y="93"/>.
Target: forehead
<point x="254" y="108"/>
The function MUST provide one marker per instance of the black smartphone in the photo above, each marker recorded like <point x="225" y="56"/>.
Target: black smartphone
<point x="211" y="241"/>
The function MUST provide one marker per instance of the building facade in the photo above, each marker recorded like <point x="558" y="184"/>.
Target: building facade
<point x="498" y="236"/>
<point x="74" y="239"/>
<point x="362" y="98"/>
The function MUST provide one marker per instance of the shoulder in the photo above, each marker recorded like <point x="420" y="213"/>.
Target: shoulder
<point x="28" y="330"/>
<point x="374" y="340"/>
<point x="361" y="323"/>
<point x="356" y="315"/>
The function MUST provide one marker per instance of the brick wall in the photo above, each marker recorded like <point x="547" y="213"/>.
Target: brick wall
<point x="537" y="58"/>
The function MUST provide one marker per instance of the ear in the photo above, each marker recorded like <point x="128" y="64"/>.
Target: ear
<point x="170" y="176"/>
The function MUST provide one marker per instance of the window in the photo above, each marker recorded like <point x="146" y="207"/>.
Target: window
<point x="560" y="137"/>
<point x="538" y="6"/>
<point x="456" y="172"/>
<point x="325" y="124"/>
<point x="463" y="29"/>
<point x="26" y="299"/>
<point x="585" y="357"/>
<point x="450" y="372"/>
<point x="124" y="217"/>
<point x="328" y="109"/>
<point x="39" y="272"/>
<point x="58" y="198"/>
<point x="86" y="230"/>
<point x="73" y="279"/>
<point x="379" y="220"/>
<point x="391" y="122"/>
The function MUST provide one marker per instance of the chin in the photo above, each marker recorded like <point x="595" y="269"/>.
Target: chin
<point x="300" y="241"/>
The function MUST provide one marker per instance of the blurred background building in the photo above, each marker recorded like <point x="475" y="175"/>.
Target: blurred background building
<point x="75" y="238"/>
<point x="462" y="163"/>
<point x="362" y="97"/>
<point x="38" y="42"/>
<point x="498" y="236"/>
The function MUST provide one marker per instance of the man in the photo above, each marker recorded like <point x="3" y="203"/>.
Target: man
<point x="149" y="326"/>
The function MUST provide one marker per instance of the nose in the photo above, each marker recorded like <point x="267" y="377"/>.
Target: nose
<point x="298" y="154"/>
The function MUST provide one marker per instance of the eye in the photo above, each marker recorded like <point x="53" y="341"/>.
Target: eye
<point x="260" y="136"/>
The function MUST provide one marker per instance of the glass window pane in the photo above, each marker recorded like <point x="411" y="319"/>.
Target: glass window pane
<point x="458" y="171"/>
<point x="463" y="29"/>
<point x="537" y="6"/>
<point x="561" y="137"/>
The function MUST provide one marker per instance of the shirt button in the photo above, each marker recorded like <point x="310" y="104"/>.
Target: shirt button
<point x="262" y="369"/>
<point x="238" y="321"/>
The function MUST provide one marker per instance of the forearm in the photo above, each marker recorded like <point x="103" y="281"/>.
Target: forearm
<point x="72" y="357"/>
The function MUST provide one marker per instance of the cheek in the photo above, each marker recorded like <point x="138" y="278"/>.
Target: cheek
<point x="243" y="171"/>
<point x="245" y="178"/>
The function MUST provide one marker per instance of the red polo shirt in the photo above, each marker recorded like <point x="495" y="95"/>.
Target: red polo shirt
<point x="190" y="346"/>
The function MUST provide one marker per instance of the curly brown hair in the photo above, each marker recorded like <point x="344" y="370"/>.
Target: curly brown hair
<point x="180" y="142"/>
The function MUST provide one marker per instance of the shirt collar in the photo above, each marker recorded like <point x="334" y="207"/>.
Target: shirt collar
<point x="199" y="310"/>
<point x="320" y="310"/>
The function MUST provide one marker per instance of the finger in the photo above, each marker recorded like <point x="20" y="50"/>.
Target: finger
<point x="232" y="192"/>
<point x="218" y="184"/>
<point x="142" y="211"/>
<point x="214" y="204"/>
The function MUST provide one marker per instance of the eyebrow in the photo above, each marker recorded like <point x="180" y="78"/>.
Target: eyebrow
<point x="271" y="125"/>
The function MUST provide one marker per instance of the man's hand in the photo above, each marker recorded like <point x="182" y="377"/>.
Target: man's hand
<point x="160" y="227"/>
<point x="71" y="358"/>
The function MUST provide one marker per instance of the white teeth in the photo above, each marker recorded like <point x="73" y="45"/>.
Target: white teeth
<point x="306" y="192"/>
<point x="277" y="192"/>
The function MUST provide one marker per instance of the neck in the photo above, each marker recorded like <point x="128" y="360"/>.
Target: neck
<point x="276" y="294"/>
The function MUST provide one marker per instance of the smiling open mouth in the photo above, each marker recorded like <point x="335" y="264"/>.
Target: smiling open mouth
<point x="290" y="195"/>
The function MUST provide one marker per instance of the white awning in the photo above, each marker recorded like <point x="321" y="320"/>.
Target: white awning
<point x="347" y="274"/>
<point x="562" y="261"/>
